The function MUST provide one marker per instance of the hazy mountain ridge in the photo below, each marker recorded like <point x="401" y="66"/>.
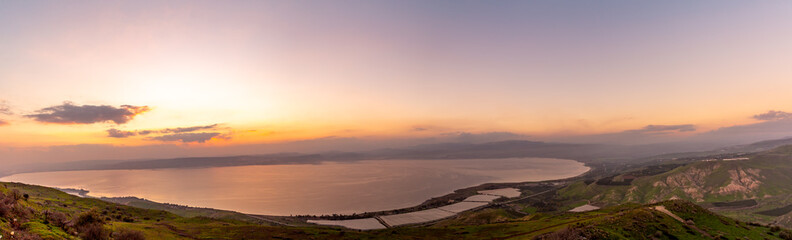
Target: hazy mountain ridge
<point x="588" y="153"/>
<point x="743" y="148"/>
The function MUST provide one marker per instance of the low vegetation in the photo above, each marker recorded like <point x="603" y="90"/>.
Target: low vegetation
<point x="50" y="214"/>
<point x="754" y="188"/>
<point x="747" y="199"/>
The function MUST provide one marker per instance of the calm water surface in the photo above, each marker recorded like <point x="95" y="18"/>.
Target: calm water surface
<point x="330" y="187"/>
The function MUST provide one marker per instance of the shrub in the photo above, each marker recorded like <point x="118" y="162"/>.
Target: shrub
<point x="21" y="212"/>
<point x="94" y="231"/>
<point x="786" y="235"/>
<point x="25" y="236"/>
<point x="562" y="234"/>
<point x="5" y="210"/>
<point x="90" y="225"/>
<point x="16" y="194"/>
<point x="88" y="218"/>
<point x="128" y="234"/>
<point x="8" y="199"/>
<point x="58" y="219"/>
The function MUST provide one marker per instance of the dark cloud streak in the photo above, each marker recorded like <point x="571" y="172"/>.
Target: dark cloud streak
<point x="170" y="132"/>
<point x="773" y="116"/>
<point x="180" y="134"/>
<point x="68" y="113"/>
<point x="4" y="108"/>
<point x="650" y="129"/>
<point x="188" y="129"/>
<point x="115" y="133"/>
<point x="200" y="137"/>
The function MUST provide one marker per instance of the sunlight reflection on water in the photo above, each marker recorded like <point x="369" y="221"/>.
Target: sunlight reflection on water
<point x="330" y="187"/>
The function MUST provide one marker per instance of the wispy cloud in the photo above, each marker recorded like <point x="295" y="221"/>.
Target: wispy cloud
<point x="4" y="108"/>
<point x="116" y="133"/>
<point x="68" y="113"/>
<point x="420" y="128"/>
<point x="482" y="137"/>
<point x="654" y="133"/>
<point x="772" y="115"/>
<point x="200" y="137"/>
<point x="659" y="129"/>
<point x="188" y="129"/>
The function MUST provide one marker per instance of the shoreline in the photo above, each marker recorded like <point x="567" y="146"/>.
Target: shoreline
<point x="456" y="196"/>
<point x="443" y="200"/>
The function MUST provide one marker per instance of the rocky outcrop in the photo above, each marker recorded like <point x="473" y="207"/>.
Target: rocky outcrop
<point x="743" y="181"/>
<point x="697" y="183"/>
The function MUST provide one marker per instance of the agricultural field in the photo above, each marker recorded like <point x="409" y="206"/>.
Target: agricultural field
<point x="360" y="224"/>
<point x="505" y="192"/>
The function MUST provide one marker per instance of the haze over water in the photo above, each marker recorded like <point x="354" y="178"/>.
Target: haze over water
<point x="327" y="188"/>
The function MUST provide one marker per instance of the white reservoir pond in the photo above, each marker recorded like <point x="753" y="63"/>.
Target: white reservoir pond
<point x="326" y="188"/>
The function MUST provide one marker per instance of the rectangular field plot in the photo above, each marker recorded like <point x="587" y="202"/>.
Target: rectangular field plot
<point x="584" y="208"/>
<point x="359" y="224"/>
<point x="506" y="192"/>
<point x="462" y="206"/>
<point x="481" y="198"/>
<point x="416" y="217"/>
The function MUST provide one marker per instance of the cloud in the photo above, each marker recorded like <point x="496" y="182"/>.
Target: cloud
<point x="468" y="137"/>
<point x="772" y="115"/>
<point x="741" y="134"/>
<point x="660" y="129"/>
<point x="188" y="129"/>
<point x="648" y="134"/>
<point x="69" y="113"/>
<point x="145" y="132"/>
<point x="4" y="108"/>
<point x="115" y="133"/>
<point x="200" y="137"/>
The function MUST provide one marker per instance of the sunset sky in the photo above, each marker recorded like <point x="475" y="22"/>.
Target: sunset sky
<point x="215" y="74"/>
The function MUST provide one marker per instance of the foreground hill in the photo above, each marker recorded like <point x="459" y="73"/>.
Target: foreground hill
<point x="755" y="187"/>
<point x="33" y="212"/>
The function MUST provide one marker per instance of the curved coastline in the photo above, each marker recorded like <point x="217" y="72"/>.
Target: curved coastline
<point x="457" y="195"/>
<point x="454" y="196"/>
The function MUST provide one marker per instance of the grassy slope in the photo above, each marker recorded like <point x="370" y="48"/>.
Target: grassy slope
<point x="626" y="221"/>
<point x="185" y="211"/>
<point x="155" y="224"/>
<point x="704" y="182"/>
<point x="701" y="182"/>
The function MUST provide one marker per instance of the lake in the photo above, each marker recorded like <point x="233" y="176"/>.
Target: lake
<point x="326" y="188"/>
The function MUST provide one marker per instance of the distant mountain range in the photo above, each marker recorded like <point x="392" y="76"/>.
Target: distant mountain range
<point x="588" y="153"/>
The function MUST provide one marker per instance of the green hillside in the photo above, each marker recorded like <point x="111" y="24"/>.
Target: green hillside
<point x="33" y="212"/>
<point x="740" y="188"/>
<point x="754" y="191"/>
<point x="186" y="211"/>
